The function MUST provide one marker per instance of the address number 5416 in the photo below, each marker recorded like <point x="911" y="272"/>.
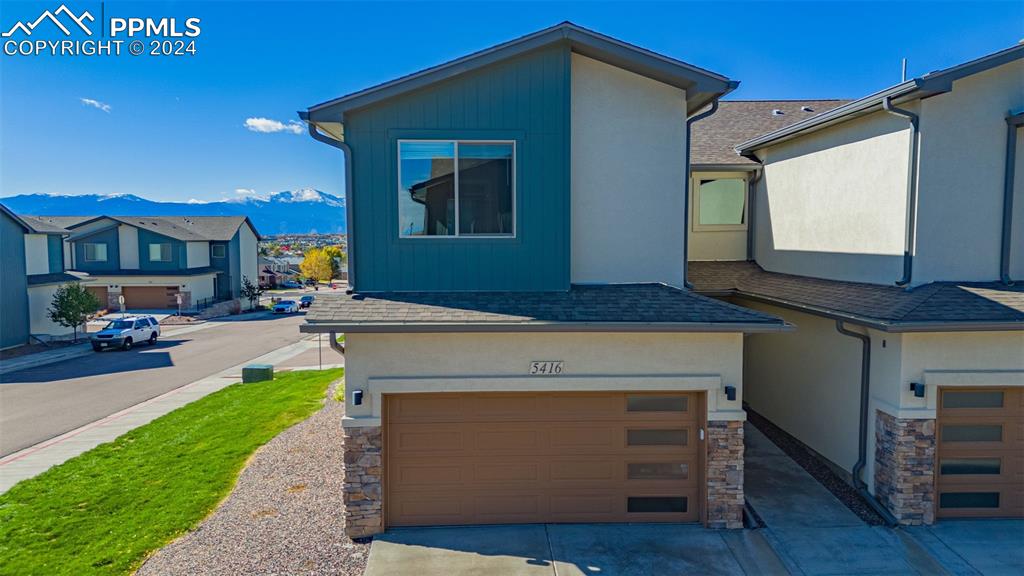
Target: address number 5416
<point x="546" y="367"/>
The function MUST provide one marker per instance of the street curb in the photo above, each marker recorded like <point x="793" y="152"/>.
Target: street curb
<point x="14" y="365"/>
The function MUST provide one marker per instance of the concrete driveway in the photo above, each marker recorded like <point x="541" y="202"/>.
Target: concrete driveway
<point x="571" y="550"/>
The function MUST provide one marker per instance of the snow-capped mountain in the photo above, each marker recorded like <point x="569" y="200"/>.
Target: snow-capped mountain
<point x="289" y="212"/>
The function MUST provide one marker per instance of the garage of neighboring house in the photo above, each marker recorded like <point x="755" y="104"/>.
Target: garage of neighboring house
<point x="980" y="453"/>
<point x="150" y="296"/>
<point x="100" y="292"/>
<point x="495" y="458"/>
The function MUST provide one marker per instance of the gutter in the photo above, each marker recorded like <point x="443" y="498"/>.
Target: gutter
<point x="1013" y="122"/>
<point x="686" y="186"/>
<point x="862" y="439"/>
<point x="347" y="153"/>
<point x="478" y="327"/>
<point x="335" y="345"/>
<point x="908" y="247"/>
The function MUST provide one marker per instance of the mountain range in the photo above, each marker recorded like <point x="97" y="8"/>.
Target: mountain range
<point x="290" y="212"/>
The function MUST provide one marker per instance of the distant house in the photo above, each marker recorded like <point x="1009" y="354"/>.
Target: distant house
<point x="46" y="270"/>
<point x="152" y="260"/>
<point x="273" y="271"/>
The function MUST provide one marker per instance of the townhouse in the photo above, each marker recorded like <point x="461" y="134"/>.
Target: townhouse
<point x="888" y="231"/>
<point x="520" y="345"/>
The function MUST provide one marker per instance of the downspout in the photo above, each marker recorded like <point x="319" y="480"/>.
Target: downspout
<point x="335" y="345"/>
<point x="755" y="178"/>
<point x="347" y="153"/>
<point x="1013" y="123"/>
<point x="686" y="189"/>
<point x="908" y="247"/>
<point x="862" y="438"/>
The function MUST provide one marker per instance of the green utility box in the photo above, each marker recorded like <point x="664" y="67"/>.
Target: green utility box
<point x="257" y="373"/>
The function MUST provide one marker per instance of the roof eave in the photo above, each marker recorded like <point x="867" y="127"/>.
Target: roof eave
<point x="314" y="327"/>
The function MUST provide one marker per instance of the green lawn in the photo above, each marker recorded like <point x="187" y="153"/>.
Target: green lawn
<point x="102" y="512"/>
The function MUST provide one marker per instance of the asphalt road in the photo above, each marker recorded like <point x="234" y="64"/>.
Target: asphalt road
<point x="39" y="403"/>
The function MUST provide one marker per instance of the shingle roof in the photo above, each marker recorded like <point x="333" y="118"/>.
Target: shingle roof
<point x="54" y="224"/>
<point x="715" y="137"/>
<point x="615" y="307"/>
<point x="185" y="228"/>
<point x="55" y="278"/>
<point x="939" y="305"/>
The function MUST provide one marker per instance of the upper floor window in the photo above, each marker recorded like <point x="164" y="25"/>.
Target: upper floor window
<point x="95" y="252"/>
<point x="160" y="252"/>
<point x="720" y="204"/>
<point x="456" y="188"/>
<point x="219" y="251"/>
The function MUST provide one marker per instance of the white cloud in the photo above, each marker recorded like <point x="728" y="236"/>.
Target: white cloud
<point x="267" y="125"/>
<point x="96" y="104"/>
<point x="245" y="191"/>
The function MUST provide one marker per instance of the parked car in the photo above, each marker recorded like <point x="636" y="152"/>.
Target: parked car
<point x="286" y="307"/>
<point x="124" y="333"/>
<point x="290" y="284"/>
<point x="310" y="282"/>
<point x="306" y="301"/>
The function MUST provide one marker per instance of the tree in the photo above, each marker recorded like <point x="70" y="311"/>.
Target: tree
<point x="317" y="264"/>
<point x="72" y="305"/>
<point x="251" y="292"/>
<point x="338" y="259"/>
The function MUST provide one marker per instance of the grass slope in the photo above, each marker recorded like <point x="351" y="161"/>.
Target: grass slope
<point x="102" y="512"/>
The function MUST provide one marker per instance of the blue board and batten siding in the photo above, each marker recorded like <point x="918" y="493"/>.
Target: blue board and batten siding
<point x="525" y="99"/>
<point x="55" y="253"/>
<point x="179" y="253"/>
<point x="107" y="236"/>
<point x="14" y="320"/>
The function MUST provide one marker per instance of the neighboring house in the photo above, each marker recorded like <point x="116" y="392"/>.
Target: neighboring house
<point x="45" y="267"/>
<point x="520" y="346"/>
<point x="888" y="230"/>
<point x="273" y="271"/>
<point x="151" y="260"/>
<point x="14" y="311"/>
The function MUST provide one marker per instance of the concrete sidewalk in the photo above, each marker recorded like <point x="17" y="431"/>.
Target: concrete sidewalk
<point x="36" y="459"/>
<point x="812" y="531"/>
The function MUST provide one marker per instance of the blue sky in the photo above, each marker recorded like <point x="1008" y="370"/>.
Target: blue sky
<point x="176" y="128"/>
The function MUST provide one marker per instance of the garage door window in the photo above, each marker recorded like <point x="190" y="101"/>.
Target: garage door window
<point x="648" y="504"/>
<point x="656" y="403"/>
<point x="972" y="433"/>
<point x="972" y="399"/>
<point x="959" y="466"/>
<point x="653" y="437"/>
<point x="969" y="500"/>
<point x="657" y="471"/>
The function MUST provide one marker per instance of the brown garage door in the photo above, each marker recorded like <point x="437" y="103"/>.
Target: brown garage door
<point x="100" y="292"/>
<point x="543" y="457"/>
<point x="981" y="452"/>
<point x="150" y="296"/>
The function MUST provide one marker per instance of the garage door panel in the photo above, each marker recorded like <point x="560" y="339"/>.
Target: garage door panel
<point x="980" y="463"/>
<point x="525" y="462"/>
<point x="150" y="296"/>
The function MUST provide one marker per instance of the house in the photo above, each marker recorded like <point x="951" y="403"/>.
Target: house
<point x="888" y="231"/>
<point x="273" y="271"/>
<point x="46" y="271"/>
<point x="520" y="345"/>
<point x="14" y="321"/>
<point x="151" y="260"/>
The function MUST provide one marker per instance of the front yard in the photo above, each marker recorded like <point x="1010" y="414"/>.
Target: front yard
<point x="104" y="511"/>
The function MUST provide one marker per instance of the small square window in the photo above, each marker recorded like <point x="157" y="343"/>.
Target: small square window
<point x="160" y="252"/>
<point x="95" y="252"/>
<point x="720" y="204"/>
<point x="219" y="251"/>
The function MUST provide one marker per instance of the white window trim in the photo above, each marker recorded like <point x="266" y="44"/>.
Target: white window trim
<point x="85" y="251"/>
<point x="170" y="256"/>
<point x="695" y="179"/>
<point x="457" y="235"/>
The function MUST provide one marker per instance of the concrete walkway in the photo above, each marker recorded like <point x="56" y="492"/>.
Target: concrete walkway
<point x="36" y="459"/>
<point x="812" y="531"/>
<point x="571" y="550"/>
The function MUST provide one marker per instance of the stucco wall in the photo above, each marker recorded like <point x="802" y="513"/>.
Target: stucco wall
<point x="201" y="287"/>
<point x="709" y="244"/>
<point x="248" y="258"/>
<point x="628" y="142"/>
<point x="476" y="362"/>
<point x="37" y="258"/>
<point x="1017" y="239"/>
<point x="39" y="300"/>
<point x="198" y="254"/>
<point x="963" y="152"/>
<point x="128" y="237"/>
<point x="833" y="203"/>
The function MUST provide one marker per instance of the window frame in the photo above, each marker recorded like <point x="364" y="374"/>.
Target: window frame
<point x="455" y="162"/>
<point x="170" y="253"/>
<point x="695" y="180"/>
<point x="223" y="250"/>
<point x="85" y="252"/>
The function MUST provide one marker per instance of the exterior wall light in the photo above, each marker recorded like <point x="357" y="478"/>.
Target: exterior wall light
<point x="730" y="393"/>
<point x="357" y="397"/>
<point x="918" y="389"/>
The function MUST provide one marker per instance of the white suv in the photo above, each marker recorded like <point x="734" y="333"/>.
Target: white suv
<point x="123" y="333"/>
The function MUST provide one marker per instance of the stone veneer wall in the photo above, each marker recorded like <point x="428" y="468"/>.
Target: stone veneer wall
<point x="725" y="474"/>
<point x="905" y="467"/>
<point x="363" y="474"/>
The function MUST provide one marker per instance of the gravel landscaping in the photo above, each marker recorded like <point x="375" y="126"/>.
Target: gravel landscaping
<point x="813" y="464"/>
<point x="285" y="515"/>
